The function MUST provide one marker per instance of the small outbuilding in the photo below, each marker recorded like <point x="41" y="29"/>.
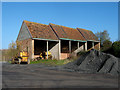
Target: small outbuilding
<point x="61" y="41"/>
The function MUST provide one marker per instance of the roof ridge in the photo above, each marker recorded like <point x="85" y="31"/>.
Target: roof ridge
<point x="84" y="29"/>
<point x="63" y="26"/>
<point x="40" y="31"/>
<point x="34" y="22"/>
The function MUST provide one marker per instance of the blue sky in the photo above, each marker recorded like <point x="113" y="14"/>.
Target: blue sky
<point x="94" y="16"/>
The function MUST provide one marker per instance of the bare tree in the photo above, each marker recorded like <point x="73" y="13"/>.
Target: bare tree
<point x="103" y="36"/>
<point x="13" y="49"/>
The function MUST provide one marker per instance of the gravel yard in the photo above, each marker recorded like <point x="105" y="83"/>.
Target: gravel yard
<point x="40" y="76"/>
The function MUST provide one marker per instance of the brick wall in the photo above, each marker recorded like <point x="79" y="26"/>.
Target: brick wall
<point x="97" y="46"/>
<point x="26" y="45"/>
<point x="64" y="55"/>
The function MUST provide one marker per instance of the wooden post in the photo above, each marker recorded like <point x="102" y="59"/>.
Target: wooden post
<point x="59" y="50"/>
<point x="32" y="49"/>
<point x="86" y="46"/>
<point x="47" y="49"/>
<point x="99" y="45"/>
<point x="69" y="46"/>
<point x="93" y="45"/>
<point x="78" y="45"/>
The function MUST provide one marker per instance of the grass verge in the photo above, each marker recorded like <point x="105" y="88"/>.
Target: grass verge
<point x="51" y="62"/>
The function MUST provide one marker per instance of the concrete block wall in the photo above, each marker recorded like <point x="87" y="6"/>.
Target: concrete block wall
<point x="81" y="48"/>
<point x="55" y="51"/>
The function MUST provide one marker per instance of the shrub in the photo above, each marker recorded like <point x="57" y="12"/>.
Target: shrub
<point x="81" y="53"/>
<point x="116" y="48"/>
<point x="106" y="45"/>
<point x="72" y="56"/>
<point x="113" y="49"/>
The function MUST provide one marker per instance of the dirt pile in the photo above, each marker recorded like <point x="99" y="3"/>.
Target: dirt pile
<point x="95" y="62"/>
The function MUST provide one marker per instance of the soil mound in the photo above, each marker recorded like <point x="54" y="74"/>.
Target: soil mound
<point x="95" y="62"/>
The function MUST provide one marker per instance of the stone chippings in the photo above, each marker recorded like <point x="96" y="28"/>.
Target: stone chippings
<point x="95" y="62"/>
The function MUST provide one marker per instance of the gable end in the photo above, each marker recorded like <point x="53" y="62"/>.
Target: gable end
<point x="24" y="33"/>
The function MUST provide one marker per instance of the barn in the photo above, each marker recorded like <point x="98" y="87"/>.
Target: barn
<point x="61" y="41"/>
